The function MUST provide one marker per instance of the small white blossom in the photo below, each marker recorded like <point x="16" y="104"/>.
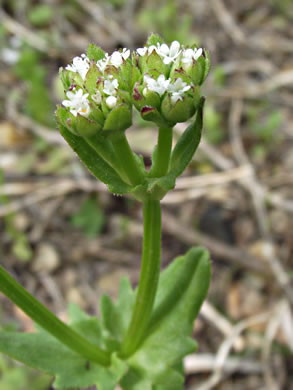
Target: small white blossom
<point x="101" y="64"/>
<point x="189" y="55"/>
<point x="78" y="102"/>
<point x="142" y="51"/>
<point x="125" y="53"/>
<point x="110" y="87"/>
<point x="177" y="90"/>
<point x="97" y="97"/>
<point x="160" y="85"/>
<point x="79" y="65"/>
<point x="169" y="54"/>
<point x="111" y="101"/>
<point x="117" y="57"/>
<point x="153" y="48"/>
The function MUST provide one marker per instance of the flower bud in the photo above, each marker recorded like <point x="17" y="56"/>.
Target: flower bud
<point x="196" y="63"/>
<point x="177" y="110"/>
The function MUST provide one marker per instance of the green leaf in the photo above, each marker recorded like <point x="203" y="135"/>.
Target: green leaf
<point x="154" y="39"/>
<point x="116" y="317"/>
<point x="95" y="163"/>
<point x="90" y="218"/>
<point x="91" y="79"/>
<point x="95" y="52"/>
<point x="45" y="353"/>
<point x="40" y="15"/>
<point x="182" y="289"/>
<point x="187" y="144"/>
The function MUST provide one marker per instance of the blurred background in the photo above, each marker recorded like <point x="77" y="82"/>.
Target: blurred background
<point x="66" y="239"/>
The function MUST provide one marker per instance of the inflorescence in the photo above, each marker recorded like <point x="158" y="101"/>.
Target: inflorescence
<point x="156" y="76"/>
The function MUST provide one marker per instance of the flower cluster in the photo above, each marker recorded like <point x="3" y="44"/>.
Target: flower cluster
<point x="162" y="85"/>
<point x="170" y="54"/>
<point x="161" y="81"/>
<point x="78" y="101"/>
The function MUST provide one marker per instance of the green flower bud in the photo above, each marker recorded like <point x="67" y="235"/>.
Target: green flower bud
<point x="119" y="119"/>
<point x="178" y="111"/>
<point x="145" y="97"/>
<point x="78" y="125"/>
<point x="196" y="64"/>
<point x="153" y="115"/>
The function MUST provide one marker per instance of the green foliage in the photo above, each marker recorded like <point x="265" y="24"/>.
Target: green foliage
<point x="40" y="15"/>
<point x="20" y="243"/>
<point x="187" y="144"/>
<point x="166" y="19"/>
<point x="213" y="129"/>
<point x="16" y="377"/>
<point x="182" y="288"/>
<point x="285" y="6"/>
<point x="95" y="163"/>
<point x="89" y="218"/>
<point x="219" y="76"/>
<point x="95" y="53"/>
<point x="267" y="128"/>
<point x="180" y="157"/>
<point x="37" y="103"/>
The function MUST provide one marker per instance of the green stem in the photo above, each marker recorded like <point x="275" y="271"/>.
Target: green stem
<point x="127" y="158"/>
<point x="163" y="152"/>
<point x="47" y="320"/>
<point x="149" y="277"/>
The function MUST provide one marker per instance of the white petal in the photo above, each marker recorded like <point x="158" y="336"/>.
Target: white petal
<point x="188" y="53"/>
<point x="97" y="97"/>
<point x="111" y="101"/>
<point x="197" y="54"/>
<point x="73" y="112"/>
<point x="167" y="60"/>
<point x="141" y="51"/>
<point x="71" y="68"/>
<point x="174" y="48"/>
<point x="152" y="48"/>
<point x="84" y="111"/>
<point x="67" y="103"/>
<point x="125" y="53"/>
<point x="116" y="59"/>
<point x="164" y="49"/>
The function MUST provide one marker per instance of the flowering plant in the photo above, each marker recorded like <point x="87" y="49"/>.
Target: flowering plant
<point x="141" y="339"/>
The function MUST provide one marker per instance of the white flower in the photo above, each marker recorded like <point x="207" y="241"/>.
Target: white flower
<point x="189" y="55"/>
<point x="78" y="102"/>
<point x="111" y="101"/>
<point x="117" y="57"/>
<point x="125" y="53"/>
<point x="142" y="51"/>
<point x="160" y="85"/>
<point x="152" y="48"/>
<point x="169" y="54"/>
<point x="101" y="64"/>
<point x="80" y="65"/>
<point x="177" y="90"/>
<point x="97" y="97"/>
<point x="110" y="87"/>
